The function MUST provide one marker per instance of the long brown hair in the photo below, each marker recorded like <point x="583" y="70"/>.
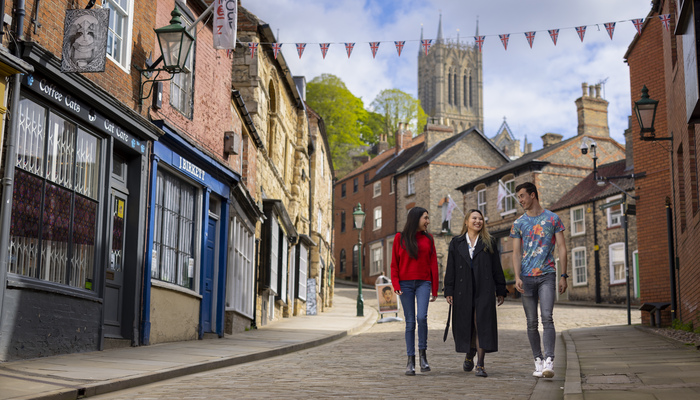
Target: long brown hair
<point x="485" y="235"/>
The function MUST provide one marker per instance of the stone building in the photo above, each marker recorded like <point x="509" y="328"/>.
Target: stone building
<point x="664" y="60"/>
<point x="595" y="238"/>
<point x="555" y="169"/>
<point x="442" y="159"/>
<point x="450" y="83"/>
<point x="277" y="110"/>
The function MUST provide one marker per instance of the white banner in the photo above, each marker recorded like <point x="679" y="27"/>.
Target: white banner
<point x="225" y="24"/>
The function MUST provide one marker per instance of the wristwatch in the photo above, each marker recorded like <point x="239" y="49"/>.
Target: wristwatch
<point x="565" y="276"/>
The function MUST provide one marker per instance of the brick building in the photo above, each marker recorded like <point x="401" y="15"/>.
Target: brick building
<point x="658" y="59"/>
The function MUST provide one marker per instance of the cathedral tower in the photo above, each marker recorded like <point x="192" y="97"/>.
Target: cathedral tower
<point x="450" y="84"/>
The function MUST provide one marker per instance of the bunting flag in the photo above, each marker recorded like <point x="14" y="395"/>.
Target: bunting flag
<point x="252" y="46"/>
<point x="530" y="37"/>
<point x="426" y="44"/>
<point x="349" y="47"/>
<point x="399" y="46"/>
<point x="554" y="34"/>
<point x="276" y="47"/>
<point x="479" y="41"/>
<point x="374" y="46"/>
<point x="324" y="48"/>
<point x="665" y="20"/>
<point x="638" y="24"/>
<point x="451" y="205"/>
<point x="300" y="48"/>
<point x="504" y="40"/>
<point x="581" y="30"/>
<point x="610" y="27"/>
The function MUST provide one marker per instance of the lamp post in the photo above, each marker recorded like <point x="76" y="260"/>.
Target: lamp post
<point x="645" y="108"/>
<point x="358" y="217"/>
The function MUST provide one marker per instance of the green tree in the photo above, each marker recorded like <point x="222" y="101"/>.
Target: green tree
<point x="373" y="126"/>
<point x="344" y="116"/>
<point x="398" y="106"/>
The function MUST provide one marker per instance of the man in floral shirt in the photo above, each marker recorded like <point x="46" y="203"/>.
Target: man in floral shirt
<point x="535" y="233"/>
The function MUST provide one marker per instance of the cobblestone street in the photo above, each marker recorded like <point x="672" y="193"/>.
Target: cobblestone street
<point x="371" y="364"/>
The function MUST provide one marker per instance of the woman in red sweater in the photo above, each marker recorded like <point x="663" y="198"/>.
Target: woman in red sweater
<point x="414" y="275"/>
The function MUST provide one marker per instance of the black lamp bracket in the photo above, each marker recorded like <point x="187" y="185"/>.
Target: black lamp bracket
<point x="147" y="73"/>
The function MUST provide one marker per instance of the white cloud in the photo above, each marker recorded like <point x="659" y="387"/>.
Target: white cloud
<point x="534" y="89"/>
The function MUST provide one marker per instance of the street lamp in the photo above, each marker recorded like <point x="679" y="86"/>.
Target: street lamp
<point x="645" y="108"/>
<point x="358" y="217"/>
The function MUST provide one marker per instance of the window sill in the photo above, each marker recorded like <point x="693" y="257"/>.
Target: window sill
<point x="614" y="227"/>
<point x="23" y="282"/>
<point x="577" y="285"/>
<point x="509" y="212"/>
<point x="410" y="194"/>
<point x="619" y="283"/>
<point x="578" y="234"/>
<point x="174" y="287"/>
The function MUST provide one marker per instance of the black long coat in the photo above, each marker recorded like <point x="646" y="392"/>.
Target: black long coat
<point x="474" y="284"/>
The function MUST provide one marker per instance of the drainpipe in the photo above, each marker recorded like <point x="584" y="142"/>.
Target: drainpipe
<point x="10" y="158"/>
<point x="596" y="257"/>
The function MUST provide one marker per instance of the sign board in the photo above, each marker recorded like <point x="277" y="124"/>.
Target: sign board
<point x="311" y="296"/>
<point x="225" y="24"/>
<point x="85" y="40"/>
<point x="388" y="300"/>
<point x="611" y="204"/>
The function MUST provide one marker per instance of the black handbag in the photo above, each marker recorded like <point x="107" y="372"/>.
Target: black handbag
<point x="447" y="327"/>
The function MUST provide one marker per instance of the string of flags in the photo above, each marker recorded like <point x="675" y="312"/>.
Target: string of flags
<point x="479" y="40"/>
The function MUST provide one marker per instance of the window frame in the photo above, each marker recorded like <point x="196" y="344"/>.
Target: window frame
<point x="377" y="189"/>
<point x="612" y="262"/>
<point x="240" y="285"/>
<point x="392" y="185"/>
<point x="342" y="221"/>
<point x="343" y="190"/>
<point x="576" y="269"/>
<point x="509" y="198"/>
<point x="302" y="266"/>
<point x="609" y="213"/>
<point x="355" y="184"/>
<point x="481" y="201"/>
<point x="377" y="221"/>
<point x="343" y="260"/>
<point x="572" y="213"/>
<point x="389" y="251"/>
<point x="376" y="257"/>
<point x="186" y="78"/>
<point x="410" y="183"/>
<point x="126" y="34"/>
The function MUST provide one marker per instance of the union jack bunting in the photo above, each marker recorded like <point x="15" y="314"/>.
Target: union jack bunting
<point x="638" y="24"/>
<point x="324" y="48"/>
<point x="349" y="47"/>
<point x="504" y="40"/>
<point x="276" y="47"/>
<point x="300" y="48"/>
<point x="581" y="30"/>
<point x="554" y="34"/>
<point x="399" y="46"/>
<point x="252" y="46"/>
<point x="530" y="37"/>
<point x="610" y="27"/>
<point x="665" y="20"/>
<point x="374" y="46"/>
<point x="426" y="44"/>
<point x="479" y="41"/>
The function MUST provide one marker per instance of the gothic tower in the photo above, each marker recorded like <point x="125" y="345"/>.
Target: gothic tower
<point x="450" y="84"/>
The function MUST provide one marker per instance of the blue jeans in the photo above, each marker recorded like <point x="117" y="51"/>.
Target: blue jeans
<point x="415" y="292"/>
<point x="543" y="289"/>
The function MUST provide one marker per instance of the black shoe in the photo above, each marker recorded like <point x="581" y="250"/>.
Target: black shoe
<point x="480" y="371"/>
<point x="424" y="367"/>
<point x="411" y="365"/>
<point x="468" y="363"/>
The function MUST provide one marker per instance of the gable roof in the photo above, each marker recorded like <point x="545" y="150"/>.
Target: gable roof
<point x="401" y="159"/>
<point x="508" y="133"/>
<point x="588" y="190"/>
<point x="436" y="150"/>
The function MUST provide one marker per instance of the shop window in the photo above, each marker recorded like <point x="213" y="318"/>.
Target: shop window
<point x="240" y="290"/>
<point x="121" y="17"/>
<point x="173" y="240"/>
<point x="55" y="199"/>
<point x="578" y="225"/>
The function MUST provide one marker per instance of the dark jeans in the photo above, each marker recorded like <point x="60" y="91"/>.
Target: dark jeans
<point x="415" y="292"/>
<point x="540" y="289"/>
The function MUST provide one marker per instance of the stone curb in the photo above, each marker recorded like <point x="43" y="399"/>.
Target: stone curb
<point x="572" y="383"/>
<point x="98" y="388"/>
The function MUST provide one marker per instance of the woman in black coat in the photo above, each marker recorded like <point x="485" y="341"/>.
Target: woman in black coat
<point x="473" y="282"/>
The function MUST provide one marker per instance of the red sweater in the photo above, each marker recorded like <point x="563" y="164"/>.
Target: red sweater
<point x="405" y="268"/>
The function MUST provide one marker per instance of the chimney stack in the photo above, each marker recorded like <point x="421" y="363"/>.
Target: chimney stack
<point x="592" y="112"/>
<point x="549" y="139"/>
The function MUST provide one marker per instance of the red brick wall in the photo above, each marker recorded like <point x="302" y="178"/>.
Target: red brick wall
<point x="647" y="67"/>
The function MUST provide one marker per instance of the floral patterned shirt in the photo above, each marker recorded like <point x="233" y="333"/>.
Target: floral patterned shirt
<point x="537" y="234"/>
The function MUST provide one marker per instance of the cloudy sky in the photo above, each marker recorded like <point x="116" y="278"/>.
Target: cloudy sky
<point x="534" y="89"/>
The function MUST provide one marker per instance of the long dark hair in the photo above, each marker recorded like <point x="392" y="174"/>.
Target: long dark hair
<point x="408" y="235"/>
<point x="485" y="235"/>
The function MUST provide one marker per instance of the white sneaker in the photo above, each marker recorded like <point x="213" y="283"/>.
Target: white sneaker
<point x="538" y="368"/>
<point x="548" y="368"/>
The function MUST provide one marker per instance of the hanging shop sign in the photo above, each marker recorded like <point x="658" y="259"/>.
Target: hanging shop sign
<point x="85" y="40"/>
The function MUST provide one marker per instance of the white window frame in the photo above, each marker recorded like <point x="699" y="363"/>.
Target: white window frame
<point x="579" y="270"/>
<point x="376" y="257"/>
<point x="617" y="247"/>
<point x="377" y="218"/>
<point x="411" y="183"/>
<point x="574" y="221"/>
<point x="303" y="271"/>
<point x="377" y="189"/>
<point x="389" y="251"/>
<point x="126" y="34"/>
<point x="240" y="287"/>
<point x="612" y="216"/>
<point x="319" y="222"/>
<point x="392" y="185"/>
<point x="481" y="201"/>
<point x="510" y="195"/>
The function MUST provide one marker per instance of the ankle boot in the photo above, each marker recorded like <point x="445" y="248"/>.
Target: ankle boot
<point x="424" y="367"/>
<point x="411" y="366"/>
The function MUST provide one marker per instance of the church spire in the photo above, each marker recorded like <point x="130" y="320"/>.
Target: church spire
<point x="420" y="51"/>
<point x="477" y="25"/>
<point x="439" y="36"/>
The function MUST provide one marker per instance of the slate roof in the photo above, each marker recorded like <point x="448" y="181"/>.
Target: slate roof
<point x="397" y="162"/>
<point x="588" y="190"/>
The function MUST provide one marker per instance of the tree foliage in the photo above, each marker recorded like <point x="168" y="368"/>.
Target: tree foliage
<point x="398" y="106"/>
